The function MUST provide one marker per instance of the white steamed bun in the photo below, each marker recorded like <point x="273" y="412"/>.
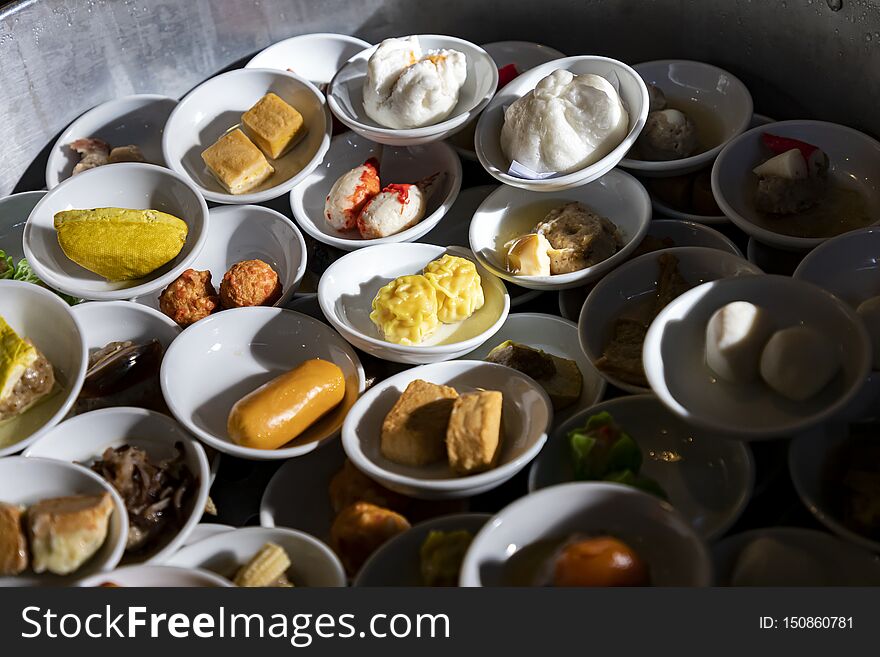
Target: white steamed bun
<point x="566" y="123"/>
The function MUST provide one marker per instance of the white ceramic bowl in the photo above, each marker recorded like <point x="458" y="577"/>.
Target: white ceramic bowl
<point x="249" y="232"/>
<point x="152" y="576"/>
<point x="14" y="211"/>
<point x="689" y="85"/>
<point x="114" y="321"/>
<point x="216" y="361"/>
<point x="313" y="564"/>
<point x="40" y="316"/>
<point x="350" y="284"/>
<point x="527" y="416"/>
<point x="682" y="233"/>
<point x="124" y="185"/>
<point x="773" y="260"/>
<point x="675" y="555"/>
<point x="315" y="57"/>
<point x="633" y="92"/>
<point x="556" y="336"/>
<point x="502" y="217"/>
<point x="346" y="99"/>
<point x="397" y="562"/>
<point x="524" y="55"/>
<point x="854" y="157"/>
<point x="138" y="120"/>
<point x="811" y="459"/>
<point x="709" y="481"/>
<point x="831" y="562"/>
<point x="675" y="363"/>
<point x="83" y="439"/>
<point x="215" y="106"/>
<point x="26" y="481"/>
<point x="397" y="165"/>
<point x="635" y="283"/>
<point x="204" y="530"/>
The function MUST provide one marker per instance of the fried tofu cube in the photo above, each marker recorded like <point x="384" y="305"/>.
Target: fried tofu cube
<point x="13" y="544"/>
<point x="414" y="431"/>
<point x="65" y="532"/>
<point x="474" y="433"/>
<point x="275" y="126"/>
<point x="237" y="163"/>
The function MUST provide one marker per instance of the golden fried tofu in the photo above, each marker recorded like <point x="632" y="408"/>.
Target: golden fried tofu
<point x="360" y="529"/>
<point x="65" y="532"/>
<point x="13" y="544"/>
<point x="274" y="125"/>
<point x="414" y="431"/>
<point x="237" y="163"/>
<point x="474" y="433"/>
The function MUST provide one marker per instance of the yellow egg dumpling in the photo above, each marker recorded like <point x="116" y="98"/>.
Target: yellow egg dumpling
<point x="458" y="285"/>
<point x="405" y="310"/>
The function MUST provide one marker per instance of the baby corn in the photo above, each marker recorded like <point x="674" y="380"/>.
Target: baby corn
<point x="266" y="568"/>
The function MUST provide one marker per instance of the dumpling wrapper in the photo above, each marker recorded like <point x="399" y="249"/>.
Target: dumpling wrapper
<point x="405" y="310"/>
<point x="567" y="122"/>
<point x="459" y="288"/>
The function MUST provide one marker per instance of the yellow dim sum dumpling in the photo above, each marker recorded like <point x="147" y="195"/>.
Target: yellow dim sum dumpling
<point x="459" y="290"/>
<point x="405" y="310"/>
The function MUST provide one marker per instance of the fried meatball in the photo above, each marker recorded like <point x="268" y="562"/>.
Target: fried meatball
<point x="250" y="283"/>
<point x="189" y="298"/>
<point x="360" y="529"/>
<point x="668" y="135"/>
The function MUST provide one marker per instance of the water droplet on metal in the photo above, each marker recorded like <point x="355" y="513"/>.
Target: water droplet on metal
<point x="834" y="5"/>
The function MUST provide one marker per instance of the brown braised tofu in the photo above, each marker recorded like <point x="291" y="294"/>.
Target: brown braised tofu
<point x="474" y="433"/>
<point x="414" y="431"/>
<point x="13" y="544"/>
<point x="65" y="532"/>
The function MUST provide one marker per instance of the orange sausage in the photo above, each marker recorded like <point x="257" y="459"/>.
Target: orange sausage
<point x="280" y="410"/>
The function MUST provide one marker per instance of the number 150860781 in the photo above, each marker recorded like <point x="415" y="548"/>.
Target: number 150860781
<point x="806" y="623"/>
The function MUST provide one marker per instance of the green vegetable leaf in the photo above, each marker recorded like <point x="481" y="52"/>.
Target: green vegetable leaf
<point x="7" y="269"/>
<point x="24" y="273"/>
<point x="643" y="483"/>
<point x="624" y="455"/>
<point x="581" y="447"/>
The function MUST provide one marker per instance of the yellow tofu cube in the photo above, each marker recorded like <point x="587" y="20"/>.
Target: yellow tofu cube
<point x="237" y="163"/>
<point x="414" y="431"/>
<point x="474" y="433"/>
<point x="275" y="126"/>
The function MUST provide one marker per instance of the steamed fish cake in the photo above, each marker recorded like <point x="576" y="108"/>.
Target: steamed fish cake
<point x="120" y="244"/>
<point x="26" y="376"/>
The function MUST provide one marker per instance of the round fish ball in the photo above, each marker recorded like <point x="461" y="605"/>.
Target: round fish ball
<point x="869" y="311"/>
<point x="798" y="362"/>
<point x="735" y="336"/>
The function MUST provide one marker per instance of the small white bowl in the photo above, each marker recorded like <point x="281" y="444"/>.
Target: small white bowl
<point x="124" y="185"/>
<point x="854" y="158"/>
<point x="675" y="555"/>
<point x="810" y="457"/>
<point x="43" y="318"/>
<point x="83" y="439"/>
<point x="307" y="477"/>
<point x="772" y="260"/>
<point x="138" y="120"/>
<point x="524" y="55"/>
<point x="617" y="196"/>
<point x="346" y="99"/>
<point x="842" y="564"/>
<point x="26" y="481"/>
<point x="205" y="530"/>
<point x="315" y="57"/>
<point x="556" y="336"/>
<point x="116" y="321"/>
<point x="635" y="283"/>
<point x="249" y="232"/>
<point x="397" y="165"/>
<point x="453" y="231"/>
<point x="218" y="360"/>
<point x="215" y="106"/>
<point x="350" y="284"/>
<point x="633" y="92"/>
<point x="688" y="84"/>
<point x="14" y="211"/>
<point x="152" y="576"/>
<point x="682" y="233"/>
<point x="675" y="361"/>
<point x="397" y="562"/>
<point x="313" y="564"/>
<point x="709" y="481"/>
<point x="527" y="415"/>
